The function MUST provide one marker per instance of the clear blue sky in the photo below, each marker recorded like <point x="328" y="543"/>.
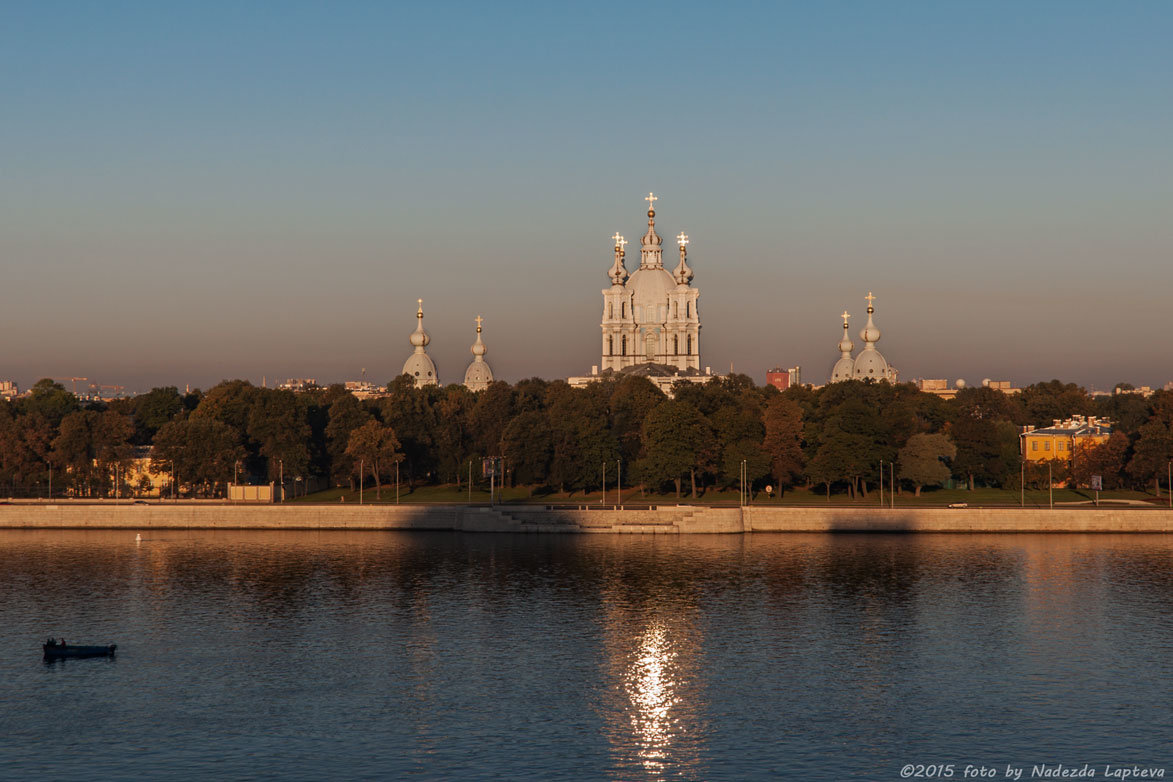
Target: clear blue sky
<point x="191" y="192"/>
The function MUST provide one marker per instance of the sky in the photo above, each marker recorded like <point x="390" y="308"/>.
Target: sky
<point x="191" y="192"/>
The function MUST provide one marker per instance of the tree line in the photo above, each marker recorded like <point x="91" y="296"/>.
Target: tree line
<point x="556" y="438"/>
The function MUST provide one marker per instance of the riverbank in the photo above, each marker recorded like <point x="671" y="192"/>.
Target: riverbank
<point x="674" y="519"/>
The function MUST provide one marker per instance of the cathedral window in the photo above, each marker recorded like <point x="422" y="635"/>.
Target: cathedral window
<point x="623" y="345"/>
<point x="676" y="344"/>
<point x="688" y="309"/>
<point x="610" y="345"/>
<point x="610" y="309"/>
<point x="623" y="309"/>
<point x="676" y="309"/>
<point x="690" y="344"/>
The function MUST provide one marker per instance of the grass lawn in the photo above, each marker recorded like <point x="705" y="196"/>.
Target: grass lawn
<point x="450" y="494"/>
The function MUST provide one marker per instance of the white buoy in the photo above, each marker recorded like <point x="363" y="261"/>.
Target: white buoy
<point x="138" y="538"/>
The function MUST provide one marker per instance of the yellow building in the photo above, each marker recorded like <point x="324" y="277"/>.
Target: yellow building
<point x="1059" y="440"/>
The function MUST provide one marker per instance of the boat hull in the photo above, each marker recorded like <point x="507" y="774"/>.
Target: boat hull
<point x="57" y="651"/>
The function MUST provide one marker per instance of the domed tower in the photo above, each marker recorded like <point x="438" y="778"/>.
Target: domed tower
<point x="845" y="366"/>
<point x="870" y="363"/>
<point x="652" y="316"/>
<point x="419" y="364"/>
<point x="478" y="376"/>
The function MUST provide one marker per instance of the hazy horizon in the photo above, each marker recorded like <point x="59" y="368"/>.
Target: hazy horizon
<point x="197" y="193"/>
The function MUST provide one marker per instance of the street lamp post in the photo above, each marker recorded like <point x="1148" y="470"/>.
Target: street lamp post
<point x="881" y="483"/>
<point x="361" y="464"/>
<point x="619" y="482"/>
<point x="1051" y="486"/>
<point x="281" y="467"/>
<point x="1022" y="485"/>
<point x="603" y="498"/>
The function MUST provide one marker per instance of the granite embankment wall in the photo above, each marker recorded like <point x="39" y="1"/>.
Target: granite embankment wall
<point x="675" y="519"/>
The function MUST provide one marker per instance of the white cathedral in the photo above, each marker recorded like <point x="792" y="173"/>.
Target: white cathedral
<point x="651" y="317"/>
<point x="423" y="370"/>
<point x="870" y="363"/>
<point x="651" y="325"/>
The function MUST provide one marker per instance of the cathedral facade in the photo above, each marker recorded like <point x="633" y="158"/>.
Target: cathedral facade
<point x="651" y="316"/>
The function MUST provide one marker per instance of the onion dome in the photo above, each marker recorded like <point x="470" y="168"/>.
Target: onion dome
<point x="419" y="364"/>
<point x="845" y="366"/>
<point x="870" y="363"/>
<point x="478" y="376"/>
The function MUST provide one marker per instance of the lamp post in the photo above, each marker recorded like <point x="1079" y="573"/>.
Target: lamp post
<point x="281" y="468"/>
<point x="744" y="491"/>
<point x="397" y="483"/>
<point x="603" y="498"/>
<point x="1050" y="486"/>
<point x="1022" y="485"/>
<point x="361" y="464"/>
<point x="892" y="485"/>
<point x="470" y="481"/>
<point x="619" y="481"/>
<point x="881" y="483"/>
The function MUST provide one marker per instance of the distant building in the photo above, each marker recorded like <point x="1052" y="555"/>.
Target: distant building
<point x="9" y="389"/>
<point x="783" y="379"/>
<point x="940" y="387"/>
<point x="365" y="389"/>
<point x="1060" y="440"/>
<point x="299" y="384"/>
<point x="1144" y="391"/>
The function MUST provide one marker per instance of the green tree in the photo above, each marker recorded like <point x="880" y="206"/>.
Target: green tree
<point x="346" y="414"/>
<point x="202" y="451"/>
<point x="677" y="440"/>
<point x="922" y="460"/>
<point x="528" y="445"/>
<point x="1106" y="459"/>
<point x="277" y="423"/>
<point x="375" y="446"/>
<point x="782" y="443"/>
<point x="1151" y="453"/>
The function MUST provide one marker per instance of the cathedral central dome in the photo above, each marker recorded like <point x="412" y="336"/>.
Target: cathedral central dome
<point x="649" y="289"/>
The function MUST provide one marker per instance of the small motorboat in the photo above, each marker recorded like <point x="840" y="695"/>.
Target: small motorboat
<point x="55" y="649"/>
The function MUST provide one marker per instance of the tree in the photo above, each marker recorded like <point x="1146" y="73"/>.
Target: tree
<point x="375" y="445"/>
<point x="277" y="423"/>
<point x="1105" y="459"/>
<point x="842" y="456"/>
<point x="922" y="460"/>
<point x="1151" y="453"/>
<point x="528" y="445"/>
<point x="782" y="444"/>
<point x="676" y="440"/>
<point x="346" y="414"/>
<point x="202" y="451"/>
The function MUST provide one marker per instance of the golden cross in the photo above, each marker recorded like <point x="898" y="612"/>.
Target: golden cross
<point x="479" y="321"/>
<point x="619" y="242"/>
<point x="651" y="199"/>
<point x="870" y="298"/>
<point x="845" y="317"/>
<point x="421" y="309"/>
<point x="682" y="238"/>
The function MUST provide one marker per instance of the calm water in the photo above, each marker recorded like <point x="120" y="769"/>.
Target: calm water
<point x="448" y="656"/>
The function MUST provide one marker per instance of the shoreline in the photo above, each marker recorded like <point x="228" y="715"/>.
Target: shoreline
<point x="662" y="519"/>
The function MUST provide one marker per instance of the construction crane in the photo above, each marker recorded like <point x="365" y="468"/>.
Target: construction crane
<point x="73" y="379"/>
<point x="97" y="389"/>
